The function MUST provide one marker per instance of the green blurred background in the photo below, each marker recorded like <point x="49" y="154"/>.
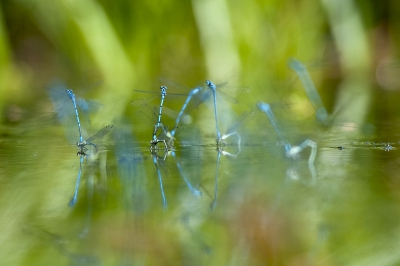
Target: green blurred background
<point x="130" y="44"/>
<point x="106" y="49"/>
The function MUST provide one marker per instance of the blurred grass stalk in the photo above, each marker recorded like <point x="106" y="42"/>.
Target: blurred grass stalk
<point x="101" y="40"/>
<point x="350" y="38"/>
<point x="219" y="48"/>
<point x="215" y="29"/>
<point x="9" y="75"/>
<point x="4" y="58"/>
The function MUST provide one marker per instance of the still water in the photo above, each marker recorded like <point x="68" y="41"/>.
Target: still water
<point x="249" y="205"/>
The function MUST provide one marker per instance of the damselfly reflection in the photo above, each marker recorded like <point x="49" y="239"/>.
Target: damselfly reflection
<point x="220" y="150"/>
<point x="194" y="191"/>
<point x="92" y="170"/>
<point x="290" y="151"/>
<point x="82" y="145"/>
<point x="62" y="245"/>
<point x="158" y="158"/>
<point x="197" y="238"/>
<point x="131" y="169"/>
<point x="215" y="199"/>
<point x="322" y="235"/>
<point x="90" y="187"/>
<point x="78" y="180"/>
<point x="82" y="154"/>
<point x="155" y="161"/>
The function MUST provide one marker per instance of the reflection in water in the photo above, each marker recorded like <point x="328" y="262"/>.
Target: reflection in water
<point x="63" y="247"/>
<point x="214" y="202"/>
<point x="156" y="159"/>
<point x="78" y="181"/>
<point x="198" y="239"/>
<point x="130" y="168"/>
<point x="90" y="188"/>
<point x="96" y="167"/>
<point x="89" y="156"/>
<point x="195" y="191"/>
<point x="161" y="156"/>
<point x="252" y="208"/>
